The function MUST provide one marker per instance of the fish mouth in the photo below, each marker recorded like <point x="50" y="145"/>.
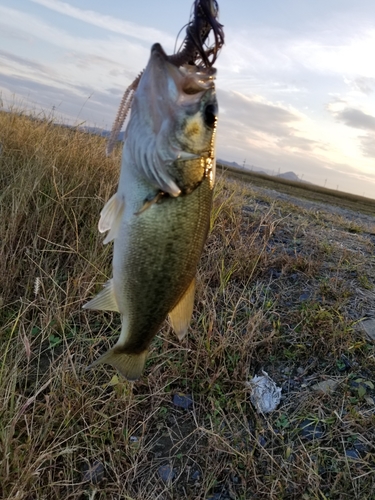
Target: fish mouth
<point x="189" y="79"/>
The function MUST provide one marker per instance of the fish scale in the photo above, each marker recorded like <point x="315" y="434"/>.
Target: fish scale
<point x="157" y="280"/>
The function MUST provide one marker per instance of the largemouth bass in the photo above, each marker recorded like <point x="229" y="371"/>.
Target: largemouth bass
<point x="159" y="217"/>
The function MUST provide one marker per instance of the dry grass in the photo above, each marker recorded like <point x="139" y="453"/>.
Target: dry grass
<point x="280" y="288"/>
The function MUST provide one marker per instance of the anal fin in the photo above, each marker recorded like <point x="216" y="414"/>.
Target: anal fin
<point x="105" y="300"/>
<point x="110" y="217"/>
<point x="129" y="365"/>
<point x="180" y="316"/>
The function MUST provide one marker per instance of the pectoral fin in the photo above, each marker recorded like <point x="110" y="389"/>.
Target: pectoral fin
<point x="105" y="300"/>
<point x="180" y="316"/>
<point x="129" y="365"/>
<point x="110" y="217"/>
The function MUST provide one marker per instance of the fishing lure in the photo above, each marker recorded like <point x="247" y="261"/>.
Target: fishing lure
<point x="194" y="50"/>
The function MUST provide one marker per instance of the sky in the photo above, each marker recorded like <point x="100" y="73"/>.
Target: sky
<point x="295" y="82"/>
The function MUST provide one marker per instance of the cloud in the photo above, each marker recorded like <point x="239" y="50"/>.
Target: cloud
<point x="54" y="57"/>
<point x="26" y="75"/>
<point x="257" y="115"/>
<point x="257" y="122"/>
<point x="271" y="136"/>
<point x="331" y="50"/>
<point x="301" y="143"/>
<point x="117" y="49"/>
<point x="92" y="62"/>
<point x="69" y="105"/>
<point x="9" y="33"/>
<point x="109" y="23"/>
<point x="368" y="145"/>
<point x="356" y="118"/>
<point x="264" y="128"/>
<point x="10" y="58"/>
<point x="363" y="84"/>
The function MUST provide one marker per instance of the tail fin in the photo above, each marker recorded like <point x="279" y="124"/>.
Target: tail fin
<point x="129" y="365"/>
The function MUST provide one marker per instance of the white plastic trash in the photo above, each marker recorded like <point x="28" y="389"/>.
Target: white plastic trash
<point x="265" y="395"/>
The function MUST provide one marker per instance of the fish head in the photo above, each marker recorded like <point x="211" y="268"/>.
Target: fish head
<point x="174" y="114"/>
<point x="196" y="111"/>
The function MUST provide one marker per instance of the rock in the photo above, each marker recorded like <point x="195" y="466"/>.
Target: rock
<point x="311" y="429"/>
<point x="343" y="364"/>
<point x="262" y="441"/>
<point x="93" y="473"/>
<point x="305" y="296"/>
<point x="195" y="475"/>
<point x="274" y="273"/>
<point x="182" y="400"/>
<point x="327" y="386"/>
<point x="370" y="401"/>
<point x="248" y="209"/>
<point x="223" y="495"/>
<point x="361" y="448"/>
<point x="368" y="325"/>
<point x="352" y="454"/>
<point x="167" y="473"/>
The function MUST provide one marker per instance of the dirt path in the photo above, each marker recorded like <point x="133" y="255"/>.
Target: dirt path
<point x="350" y="215"/>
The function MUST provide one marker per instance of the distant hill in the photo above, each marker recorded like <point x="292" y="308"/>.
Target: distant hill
<point x="252" y="168"/>
<point x="289" y="175"/>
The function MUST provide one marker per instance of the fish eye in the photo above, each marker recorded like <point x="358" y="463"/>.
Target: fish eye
<point x="210" y="115"/>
